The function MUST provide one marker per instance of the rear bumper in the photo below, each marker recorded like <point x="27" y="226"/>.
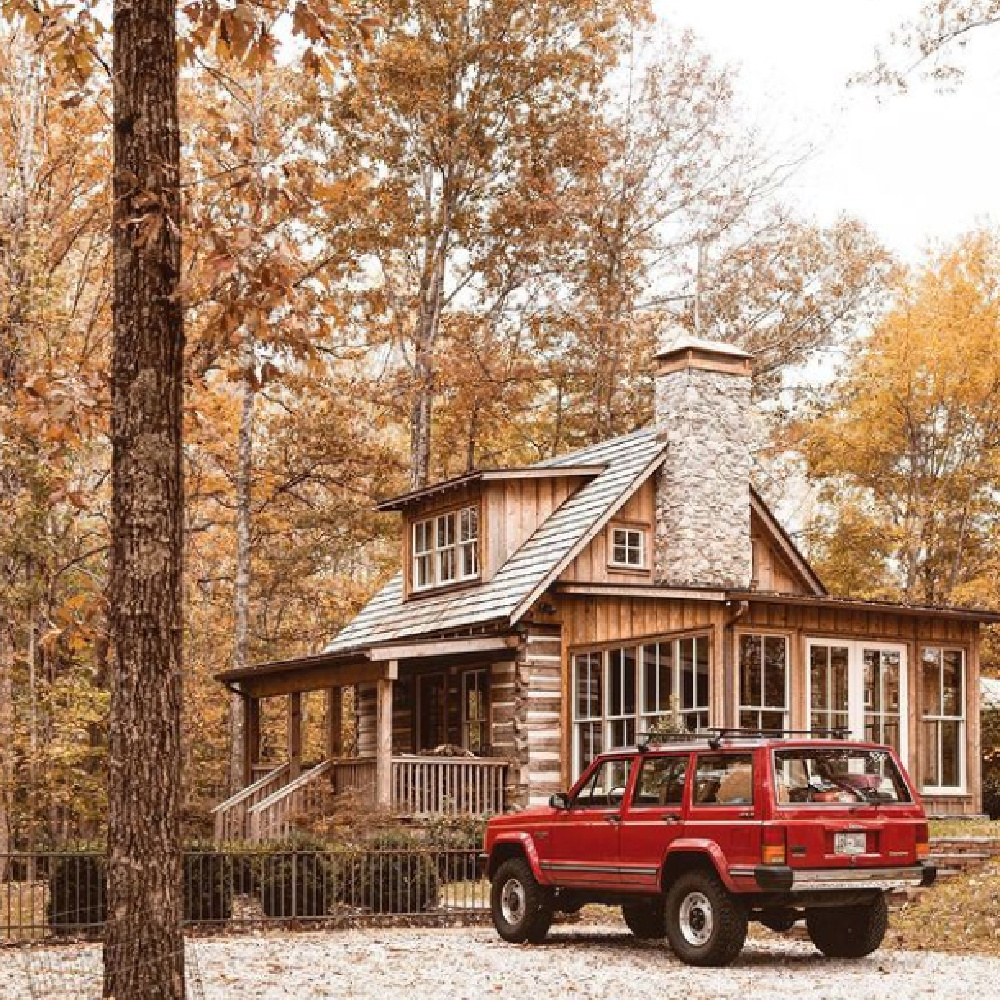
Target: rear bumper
<point x="780" y="878"/>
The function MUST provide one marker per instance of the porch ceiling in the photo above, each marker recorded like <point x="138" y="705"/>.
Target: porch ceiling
<point x="328" y="670"/>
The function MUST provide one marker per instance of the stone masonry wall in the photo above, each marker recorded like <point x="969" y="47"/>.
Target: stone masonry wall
<point x="703" y="487"/>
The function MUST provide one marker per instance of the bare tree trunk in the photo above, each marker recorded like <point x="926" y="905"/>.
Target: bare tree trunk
<point x="6" y="747"/>
<point x="144" y="945"/>
<point x="420" y="418"/>
<point x="244" y="479"/>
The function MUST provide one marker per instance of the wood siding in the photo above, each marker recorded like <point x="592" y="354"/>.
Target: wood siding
<point x="592" y="564"/>
<point x="772" y="573"/>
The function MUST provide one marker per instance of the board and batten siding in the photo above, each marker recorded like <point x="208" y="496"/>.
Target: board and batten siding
<point x="771" y="571"/>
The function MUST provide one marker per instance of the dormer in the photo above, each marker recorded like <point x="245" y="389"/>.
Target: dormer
<point x="459" y="532"/>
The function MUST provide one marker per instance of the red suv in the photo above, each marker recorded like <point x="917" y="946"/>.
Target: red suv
<point x="695" y="837"/>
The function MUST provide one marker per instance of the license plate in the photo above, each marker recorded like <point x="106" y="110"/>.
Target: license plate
<point x="850" y="843"/>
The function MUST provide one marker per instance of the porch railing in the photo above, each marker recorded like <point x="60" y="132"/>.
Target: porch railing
<point x="422" y="786"/>
<point x="232" y="816"/>
<point x="271" y="818"/>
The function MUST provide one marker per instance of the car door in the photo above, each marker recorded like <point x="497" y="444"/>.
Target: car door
<point x="652" y="817"/>
<point x="584" y="839"/>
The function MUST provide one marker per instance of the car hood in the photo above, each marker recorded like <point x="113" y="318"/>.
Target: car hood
<point x="518" y="819"/>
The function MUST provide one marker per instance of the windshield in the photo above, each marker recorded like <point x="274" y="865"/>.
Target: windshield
<point x="837" y="776"/>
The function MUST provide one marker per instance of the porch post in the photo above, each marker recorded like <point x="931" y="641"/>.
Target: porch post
<point x="251" y="736"/>
<point x="294" y="735"/>
<point x="335" y="723"/>
<point x="383" y="745"/>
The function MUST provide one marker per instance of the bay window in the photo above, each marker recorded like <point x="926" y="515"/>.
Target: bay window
<point x="624" y="691"/>
<point x="942" y="677"/>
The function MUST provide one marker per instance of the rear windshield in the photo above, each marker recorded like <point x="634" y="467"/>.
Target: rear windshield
<point x="837" y="776"/>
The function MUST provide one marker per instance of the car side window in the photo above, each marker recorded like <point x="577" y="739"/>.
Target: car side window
<point x="661" y="782"/>
<point x="723" y="780"/>
<point x="605" y="788"/>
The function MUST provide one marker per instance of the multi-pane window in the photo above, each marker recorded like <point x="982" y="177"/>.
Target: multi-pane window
<point x="882" y="703"/>
<point x="628" y="547"/>
<point x="446" y="548"/>
<point x="623" y="691"/>
<point x="588" y="707"/>
<point x="763" y="682"/>
<point x="943" y="682"/>
<point x="474" y="710"/>
<point x="828" y="687"/>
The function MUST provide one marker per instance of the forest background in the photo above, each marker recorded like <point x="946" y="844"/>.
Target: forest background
<point x="455" y="246"/>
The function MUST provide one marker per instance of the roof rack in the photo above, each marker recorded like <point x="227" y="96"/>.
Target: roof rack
<point x="715" y="736"/>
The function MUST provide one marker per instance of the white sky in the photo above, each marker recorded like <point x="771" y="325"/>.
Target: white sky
<point x="918" y="168"/>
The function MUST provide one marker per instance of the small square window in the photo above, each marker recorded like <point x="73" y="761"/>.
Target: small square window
<point x="628" y="547"/>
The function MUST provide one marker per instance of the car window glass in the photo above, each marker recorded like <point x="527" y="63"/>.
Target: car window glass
<point x="606" y="786"/>
<point x="723" y="780"/>
<point x="661" y="781"/>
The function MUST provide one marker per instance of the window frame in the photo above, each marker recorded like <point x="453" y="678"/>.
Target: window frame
<point x="453" y="549"/>
<point x="673" y="760"/>
<point x="639" y="530"/>
<point x="762" y="708"/>
<point x="724" y="754"/>
<point x="962" y="720"/>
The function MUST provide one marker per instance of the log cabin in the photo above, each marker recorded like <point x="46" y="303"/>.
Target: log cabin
<point x="544" y="613"/>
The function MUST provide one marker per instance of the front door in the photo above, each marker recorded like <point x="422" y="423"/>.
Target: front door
<point x="653" y="818"/>
<point x="860" y="685"/>
<point x="584" y="840"/>
<point x="431" y="708"/>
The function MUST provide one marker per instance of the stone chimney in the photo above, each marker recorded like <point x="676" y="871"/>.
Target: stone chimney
<point x="703" y="488"/>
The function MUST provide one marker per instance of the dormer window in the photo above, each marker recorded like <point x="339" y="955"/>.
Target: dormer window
<point x="628" y="548"/>
<point x="446" y="548"/>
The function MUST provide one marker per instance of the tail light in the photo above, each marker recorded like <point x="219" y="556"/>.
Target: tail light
<point x="773" y="846"/>
<point x="923" y="843"/>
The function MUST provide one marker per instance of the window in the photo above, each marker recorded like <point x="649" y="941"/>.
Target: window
<point x="943" y="681"/>
<point x="828" y="687"/>
<point x="837" y="776"/>
<point x="605" y="788"/>
<point x="474" y="710"/>
<point x="621" y="692"/>
<point x="588" y="708"/>
<point x="723" y="780"/>
<point x="446" y="548"/>
<point x="661" y="781"/>
<point x="628" y="547"/>
<point x="763" y="682"/>
<point x="881" y="686"/>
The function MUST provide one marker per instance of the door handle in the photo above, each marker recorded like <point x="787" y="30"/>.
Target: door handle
<point x="613" y="819"/>
<point x="746" y="814"/>
<point x="669" y="818"/>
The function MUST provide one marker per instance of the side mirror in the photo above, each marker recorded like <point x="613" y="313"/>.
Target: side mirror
<point x="559" y="801"/>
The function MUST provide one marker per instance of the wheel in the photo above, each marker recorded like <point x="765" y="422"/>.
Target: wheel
<point x="779" y="921"/>
<point x="645" y="919"/>
<point x="849" y="931"/>
<point x="705" y="924"/>
<point x="521" y="912"/>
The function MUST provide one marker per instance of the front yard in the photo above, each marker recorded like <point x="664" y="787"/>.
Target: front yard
<point x="577" y="963"/>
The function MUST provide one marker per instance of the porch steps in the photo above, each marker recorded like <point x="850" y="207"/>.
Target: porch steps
<point x="954" y="856"/>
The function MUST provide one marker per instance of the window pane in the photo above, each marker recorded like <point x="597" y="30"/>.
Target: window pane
<point x="951" y="693"/>
<point x="620" y="555"/>
<point x="929" y="754"/>
<point x="890" y="682"/>
<point x="931" y="670"/>
<point x="750" y="670"/>
<point x="873" y="680"/>
<point x="819" y="680"/>
<point x="650" y="681"/>
<point x="951" y="753"/>
<point x="615" y="682"/>
<point x="838" y="679"/>
<point x="702" y="665"/>
<point x="687" y="673"/>
<point x="774" y="672"/>
<point x="724" y="779"/>
<point x="629" y="682"/>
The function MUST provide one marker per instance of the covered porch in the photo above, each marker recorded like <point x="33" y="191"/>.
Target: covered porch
<point x="424" y="735"/>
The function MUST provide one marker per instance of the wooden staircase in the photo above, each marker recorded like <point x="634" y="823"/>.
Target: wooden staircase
<point x="232" y="817"/>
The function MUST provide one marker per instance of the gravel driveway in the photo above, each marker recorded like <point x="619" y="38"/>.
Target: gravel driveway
<point x="472" y="963"/>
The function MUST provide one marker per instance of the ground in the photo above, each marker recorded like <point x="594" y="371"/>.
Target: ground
<point x="579" y="962"/>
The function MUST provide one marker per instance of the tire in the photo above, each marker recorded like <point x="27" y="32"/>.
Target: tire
<point x="705" y="925"/>
<point x="520" y="908"/>
<point x="646" y="919"/>
<point x="849" y="931"/>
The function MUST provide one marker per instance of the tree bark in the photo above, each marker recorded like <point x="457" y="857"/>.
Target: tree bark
<point x="144" y="945"/>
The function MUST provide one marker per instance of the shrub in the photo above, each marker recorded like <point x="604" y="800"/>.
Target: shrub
<point x="294" y="880"/>
<point x="208" y="886"/>
<point x="78" y="900"/>
<point x="398" y="875"/>
<point x="990" y="722"/>
<point x="458" y="841"/>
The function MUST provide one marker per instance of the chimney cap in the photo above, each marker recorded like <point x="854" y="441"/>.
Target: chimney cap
<point x="678" y="347"/>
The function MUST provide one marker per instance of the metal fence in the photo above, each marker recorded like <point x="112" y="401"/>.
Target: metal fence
<point x="64" y="895"/>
